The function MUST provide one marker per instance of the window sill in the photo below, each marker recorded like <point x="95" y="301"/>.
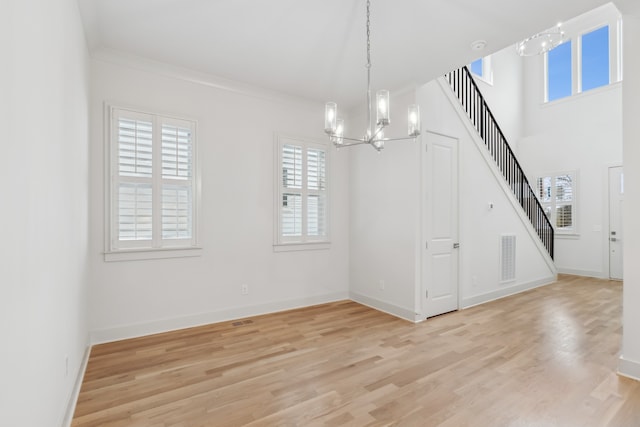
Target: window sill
<point x="308" y="246"/>
<point x="581" y="95"/>
<point x="146" y="254"/>
<point x="567" y="236"/>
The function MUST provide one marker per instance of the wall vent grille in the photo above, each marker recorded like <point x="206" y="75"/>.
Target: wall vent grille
<point x="508" y="258"/>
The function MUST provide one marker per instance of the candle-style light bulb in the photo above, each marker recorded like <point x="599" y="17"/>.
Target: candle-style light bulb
<point x="382" y="102"/>
<point x="330" y="117"/>
<point x="339" y="133"/>
<point x="414" y="120"/>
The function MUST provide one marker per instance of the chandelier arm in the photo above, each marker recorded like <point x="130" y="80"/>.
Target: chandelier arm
<point x="355" y="139"/>
<point x="352" y="142"/>
<point x="399" y="139"/>
<point x="375" y="134"/>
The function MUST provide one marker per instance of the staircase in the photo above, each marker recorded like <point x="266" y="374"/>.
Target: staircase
<point x="467" y="92"/>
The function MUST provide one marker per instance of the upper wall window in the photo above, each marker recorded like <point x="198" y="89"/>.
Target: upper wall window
<point x="585" y="62"/>
<point x="481" y="68"/>
<point x="595" y="59"/>
<point x="559" y="72"/>
<point x="152" y="185"/>
<point x="476" y="67"/>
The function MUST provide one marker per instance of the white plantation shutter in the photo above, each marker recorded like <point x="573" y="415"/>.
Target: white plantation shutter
<point x="316" y="186"/>
<point x="302" y="197"/>
<point x="176" y="152"/>
<point x="135" y="211"/>
<point x="152" y="169"/>
<point x="291" y="215"/>
<point x="557" y="196"/>
<point x="176" y="212"/>
<point x="316" y="216"/>
<point x="316" y="169"/>
<point x="135" y="147"/>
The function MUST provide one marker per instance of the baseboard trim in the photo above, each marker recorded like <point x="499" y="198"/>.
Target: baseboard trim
<point x="505" y="292"/>
<point x="583" y="273"/>
<point x="73" y="399"/>
<point x="385" y="307"/>
<point x="101" y="336"/>
<point x="629" y="368"/>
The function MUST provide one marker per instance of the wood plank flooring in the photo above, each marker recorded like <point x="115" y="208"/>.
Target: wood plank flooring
<point x="542" y="358"/>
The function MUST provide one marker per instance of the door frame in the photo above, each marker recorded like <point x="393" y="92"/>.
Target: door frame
<point x="424" y="229"/>
<point x="606" y="274"/>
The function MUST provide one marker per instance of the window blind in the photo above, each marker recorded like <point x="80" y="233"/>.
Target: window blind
<point x="153" y="196"/>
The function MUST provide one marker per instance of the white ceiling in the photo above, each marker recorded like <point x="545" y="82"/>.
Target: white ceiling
<point x="315" y="49"/>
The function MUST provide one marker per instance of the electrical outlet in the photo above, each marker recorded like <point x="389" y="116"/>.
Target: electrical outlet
<point x="244" y="289"/>
<point x="381" y="284"/>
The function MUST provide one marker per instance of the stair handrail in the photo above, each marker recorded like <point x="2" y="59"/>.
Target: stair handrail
<point x="466" y="90"/>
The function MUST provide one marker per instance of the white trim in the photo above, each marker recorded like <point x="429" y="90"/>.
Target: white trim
<point x="73" y="398"/>
<point x="446" y="89"/>
<point x="303" y="242"/>
<point x="606" y="219"/>
<point x="574" y="231"/>
<point x="583" y="273"/>
<point x="135" y="330"/>
<point x="310" y="246"/>
<point x="130" y="251"/>
<point x="161" y="253"/>
<point x="385" y="307"/>
<point x="629" y="368"/>
<point x="505" y="292"/>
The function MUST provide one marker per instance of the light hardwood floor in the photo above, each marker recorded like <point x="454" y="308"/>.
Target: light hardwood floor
<point x="542" y="358"/>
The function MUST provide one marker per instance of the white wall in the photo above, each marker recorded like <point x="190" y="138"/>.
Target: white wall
<point x="386" y="235"/>
<point x="580" y="133"/>
<point x="44" y="185"/>
<point x="630" y="358"/>
<point x="504" y="94"/>
<point x="236" y="143"/>
<point x="480" y="226"/>
<point x="385" y="227"/>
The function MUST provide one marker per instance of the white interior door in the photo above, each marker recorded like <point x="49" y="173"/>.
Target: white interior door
<point x="440" y="225"/>
<point x="616" y="193"/>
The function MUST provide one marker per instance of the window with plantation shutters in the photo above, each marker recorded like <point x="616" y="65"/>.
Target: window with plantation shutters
<point x="557" y="194"/>
<point x="302" y="192"/>
<point x="152" y="192"/>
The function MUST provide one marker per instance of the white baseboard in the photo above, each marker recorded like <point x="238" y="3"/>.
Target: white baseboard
<point x="583" y="273"/>
<point x="394" y="310"/>
<point x="165" y="325"/>
<point x="73" y="399"/>
<point x="629" y="368"/>
<point x="507" y="291"/>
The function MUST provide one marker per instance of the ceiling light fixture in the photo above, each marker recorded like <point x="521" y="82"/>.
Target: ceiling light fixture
<point x="374" y="135"/>
<point x="541" y="42"/>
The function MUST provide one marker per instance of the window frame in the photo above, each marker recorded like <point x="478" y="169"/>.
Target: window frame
<point x="572" y="72"/>
<point x="304" y="242"/>
<point x="576" y="32"/>
<point x="487" y="70"/>
<point x="157" y="247"/>
<point x="553" y="203"/>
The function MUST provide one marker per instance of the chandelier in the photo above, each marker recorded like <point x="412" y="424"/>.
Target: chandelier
<point x="374" y="135"/>
<point x="541" y="43"/>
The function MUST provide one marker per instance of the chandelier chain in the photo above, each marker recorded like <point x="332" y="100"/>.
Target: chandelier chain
<point x="368" y="35"/>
